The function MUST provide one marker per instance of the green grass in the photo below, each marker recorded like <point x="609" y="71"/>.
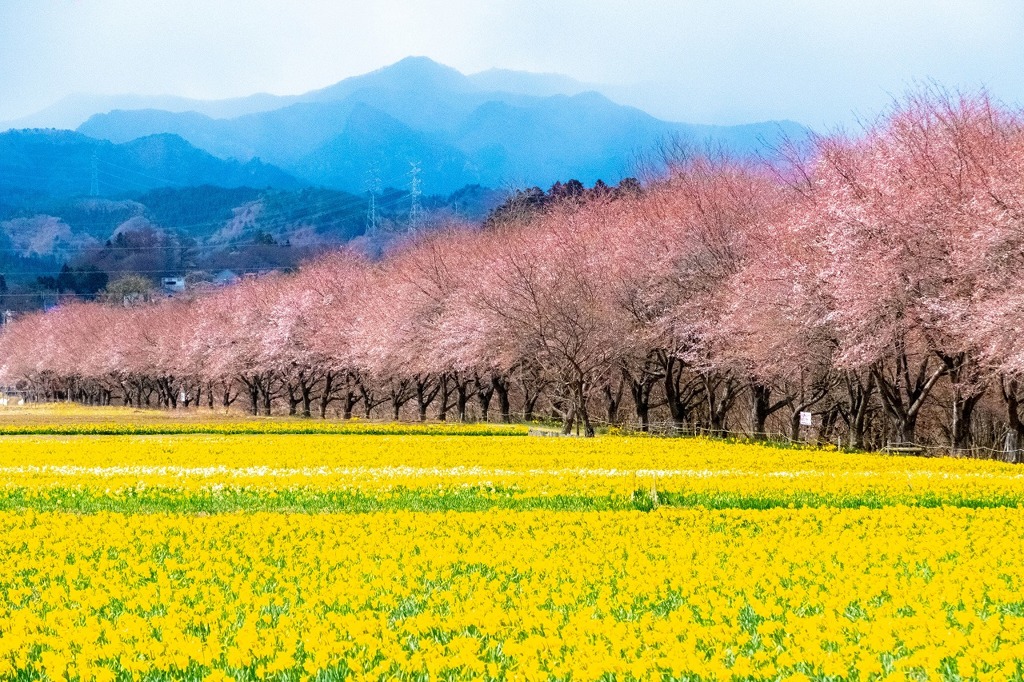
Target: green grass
<point x="247" y="500"/>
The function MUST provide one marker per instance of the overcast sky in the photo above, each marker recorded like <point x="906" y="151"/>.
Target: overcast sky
<point x="710" y="61"/>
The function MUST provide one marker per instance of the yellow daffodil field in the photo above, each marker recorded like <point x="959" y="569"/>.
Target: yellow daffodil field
<point x="446" y="556"/>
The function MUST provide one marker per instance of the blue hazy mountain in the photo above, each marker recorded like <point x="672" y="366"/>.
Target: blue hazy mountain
<point x="497" y="129"/>
<point x="72" y="111"/>
<point x="63" y="163"/>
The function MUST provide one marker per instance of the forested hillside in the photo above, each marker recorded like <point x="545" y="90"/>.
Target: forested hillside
<point x="57" y="239"/>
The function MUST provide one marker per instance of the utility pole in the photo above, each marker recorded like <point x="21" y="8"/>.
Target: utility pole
<point x="415" y="210"/>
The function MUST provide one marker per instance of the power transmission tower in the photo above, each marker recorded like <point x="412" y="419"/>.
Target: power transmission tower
<point x="373" y="188"/>
<point x="94" y="186"/>
<point x="415" y="191"/>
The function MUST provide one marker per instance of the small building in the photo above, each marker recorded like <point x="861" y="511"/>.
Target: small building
<point x="173" y="285"/>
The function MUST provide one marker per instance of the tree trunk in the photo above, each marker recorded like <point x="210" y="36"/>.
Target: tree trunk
<point x="327" y="395"/>
<point x="860" y="402"/>
<point x="680" y="397"/>
<point x="612" y="400"/>
<point x="828" y="422"/>
<point x="531" y="386"/>
<point x="462" y="396"/>
<point x="368" y="403"/>
<point x="640" y="389"/>
<point x="267" y="396"/>
<point x="762" y="407"/>
<point x="254" y="395"/>
<point x="306" y="392"/>
<point x="719" y="405"/>
<point x="349" y="404"/>
<point x="908" y="429"/>
<point x="461" y="404"/>
<point x="568" y="420"/>
<point x="963" y="413"/>
<point x="804" y="403"/>
<point x="484" y="393"/>
<point x="529" y="406"/>
<point x="962" y="373"/>
<point x="1015" y="436"/>
<point x="499" y="385"/>
<point x="400" y="394"/>
<point x="904" y="394"/>
<point x="228" y="398"/>
<point x="794" y="427"/>
<point x="581" y="399"/>
<point x="293" y="401"/>
<point x="425" y="395"/>
<point x="444" y="395"/>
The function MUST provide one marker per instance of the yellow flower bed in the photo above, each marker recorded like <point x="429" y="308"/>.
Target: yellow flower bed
<point x="781" y="594"/>
<point x="149" y="585"/>
<point x="263" y="427"/>
<point x="73" y="419"/>
<point x="527" y="466"/>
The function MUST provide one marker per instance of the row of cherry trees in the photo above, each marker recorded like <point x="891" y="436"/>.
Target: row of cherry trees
<point x="873" y="280"/>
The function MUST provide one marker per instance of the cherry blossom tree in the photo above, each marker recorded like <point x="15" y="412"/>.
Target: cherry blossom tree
<point x="874" y="281"/>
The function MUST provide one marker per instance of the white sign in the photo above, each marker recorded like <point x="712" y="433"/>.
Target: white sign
<point x="806" y="419"/>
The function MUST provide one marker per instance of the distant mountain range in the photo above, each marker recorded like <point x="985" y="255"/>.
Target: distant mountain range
<point x="168" y="186"/>
<point x="497" y="128"/>
<point x="63" y="163"/>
